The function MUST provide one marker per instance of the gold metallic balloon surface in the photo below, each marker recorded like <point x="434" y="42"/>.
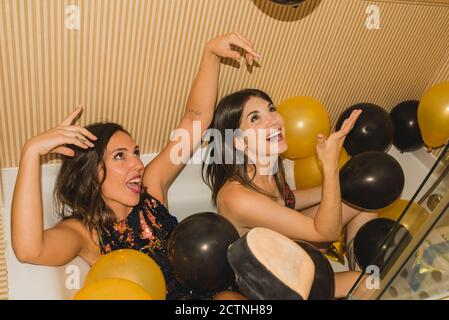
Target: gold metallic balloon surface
<point x="433" y="115"/>
<point x="132" y="265"/>
<point x="309" y="171"/>
<point x="112" y="289"/>
<point x="337" y="250"/>
<point x="413" y="218"/>
<point x="304" y="119"/>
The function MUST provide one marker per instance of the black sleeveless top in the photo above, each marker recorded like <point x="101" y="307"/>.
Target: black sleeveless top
<point x="147" y="229"/>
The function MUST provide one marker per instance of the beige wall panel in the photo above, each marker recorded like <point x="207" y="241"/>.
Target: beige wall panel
<point x="133" y="61"/>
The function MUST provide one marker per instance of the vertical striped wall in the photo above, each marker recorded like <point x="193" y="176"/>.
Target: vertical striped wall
<point x="132" y="61"/>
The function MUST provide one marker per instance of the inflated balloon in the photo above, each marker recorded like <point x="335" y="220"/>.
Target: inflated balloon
<point x="197" y="251"/>
<point x="433" y="115"/>
<point x="304" y="119"/>
<point x="292" y="3"/>
<point x="229" y="295"/>
<point x="112" y="289"/>
<point x="309" y="171"/>
<point x="371" y="180"/>
<point x="379" y="242"/>
<point x="132" y="265"/>
<point x="373" y="130"/>
<point x="407" y="136"/>
<point x="323" y="287"/>
<point x="270" y="266"/>
<point x="413" y="218"/>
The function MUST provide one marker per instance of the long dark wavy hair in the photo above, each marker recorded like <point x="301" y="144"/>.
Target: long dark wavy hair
<point x="77" y="191"/>
<point x="228" y="115"/>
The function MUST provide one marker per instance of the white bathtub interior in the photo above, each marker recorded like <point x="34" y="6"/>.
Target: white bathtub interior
<point x="187" y="195"/>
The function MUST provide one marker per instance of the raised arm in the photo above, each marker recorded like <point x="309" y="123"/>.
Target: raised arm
<point x="162" y="171"/>
<point x="30" y="242"/>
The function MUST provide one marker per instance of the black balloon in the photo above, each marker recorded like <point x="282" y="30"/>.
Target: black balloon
<point x="323" y="287"/>
<point x="373" y="130"/>
<point x="407" y="136"/>
<point x="197" y="251"/>
<point x="292" y="3"/>
<point x="380" y="242"/>
<point x="371" y="180"/>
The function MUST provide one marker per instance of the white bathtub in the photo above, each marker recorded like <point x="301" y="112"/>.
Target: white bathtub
<point x="187" y="195"/>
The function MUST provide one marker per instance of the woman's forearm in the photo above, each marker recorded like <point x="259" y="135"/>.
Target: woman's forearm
<point x="203" y="94"/>
<point x="328" y="220"/>
<point x="26" y="210"/>
<point x="308" y="197"/>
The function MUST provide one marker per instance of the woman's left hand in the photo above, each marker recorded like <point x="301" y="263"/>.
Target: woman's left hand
<point x="329" y="149"/>
<point x="222" y="47"/>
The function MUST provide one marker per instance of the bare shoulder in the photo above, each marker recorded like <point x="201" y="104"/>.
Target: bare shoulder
<point x="91" y="249"/>
<point x="234" y="198"/>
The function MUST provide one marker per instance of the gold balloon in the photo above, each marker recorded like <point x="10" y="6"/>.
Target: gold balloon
<point x="132" y="265"/>
<point x="112" y="289"/>
<point x="413" y="218"/>
<point x="433" y="115"/>
<point x="309" y="171"/>
<point x="304" y="119"/>
<point x="229" y="295"/>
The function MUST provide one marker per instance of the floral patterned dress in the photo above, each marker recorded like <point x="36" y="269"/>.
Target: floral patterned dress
<point x="147" y="229"/>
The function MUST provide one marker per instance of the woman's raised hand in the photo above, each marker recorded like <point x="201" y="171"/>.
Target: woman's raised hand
<point x="58" y="139"/>
<point x="222" y="46"/>
<point x="329" y="149"/>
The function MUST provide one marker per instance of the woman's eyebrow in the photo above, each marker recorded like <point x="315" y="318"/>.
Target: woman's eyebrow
<point x="255" y="111"/>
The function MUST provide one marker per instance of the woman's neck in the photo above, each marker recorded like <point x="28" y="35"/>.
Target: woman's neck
<point x="121" y="211"/>
<point x="264" y="173"/>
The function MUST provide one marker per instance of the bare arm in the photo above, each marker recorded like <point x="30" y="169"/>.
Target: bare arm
<point x="250" y="209"/>
<point x="30" y="242"/>
<point x="308" y="197"/>
<point x="163" y="170"/>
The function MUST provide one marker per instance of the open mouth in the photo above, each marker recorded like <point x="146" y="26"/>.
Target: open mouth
<point x="275" y="136"/>
<point x="135" y="184"/>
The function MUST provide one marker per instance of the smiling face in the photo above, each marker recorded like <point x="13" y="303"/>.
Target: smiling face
<point x="261" y="120"/>
<point x="124" y="171"/>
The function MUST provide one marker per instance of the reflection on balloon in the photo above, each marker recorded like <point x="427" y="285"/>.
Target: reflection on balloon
<point x="407" y="136"/>
<point x="309" y="171"/>
<point x="371" y="180"/>
<point x="433" y="115"/>
<point x="132" y="265"/>
<point x="413" y="218"/>
<point x="112" y="289"/>
<point x="373" y="130"/>
<point x="379" y="242"/>
<point x="304" y="119"/>
<point x="197" y="251"/>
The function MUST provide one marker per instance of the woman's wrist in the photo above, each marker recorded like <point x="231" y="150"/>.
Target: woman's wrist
<point x="330" y="168"/>
<point x="29" y="150"/>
